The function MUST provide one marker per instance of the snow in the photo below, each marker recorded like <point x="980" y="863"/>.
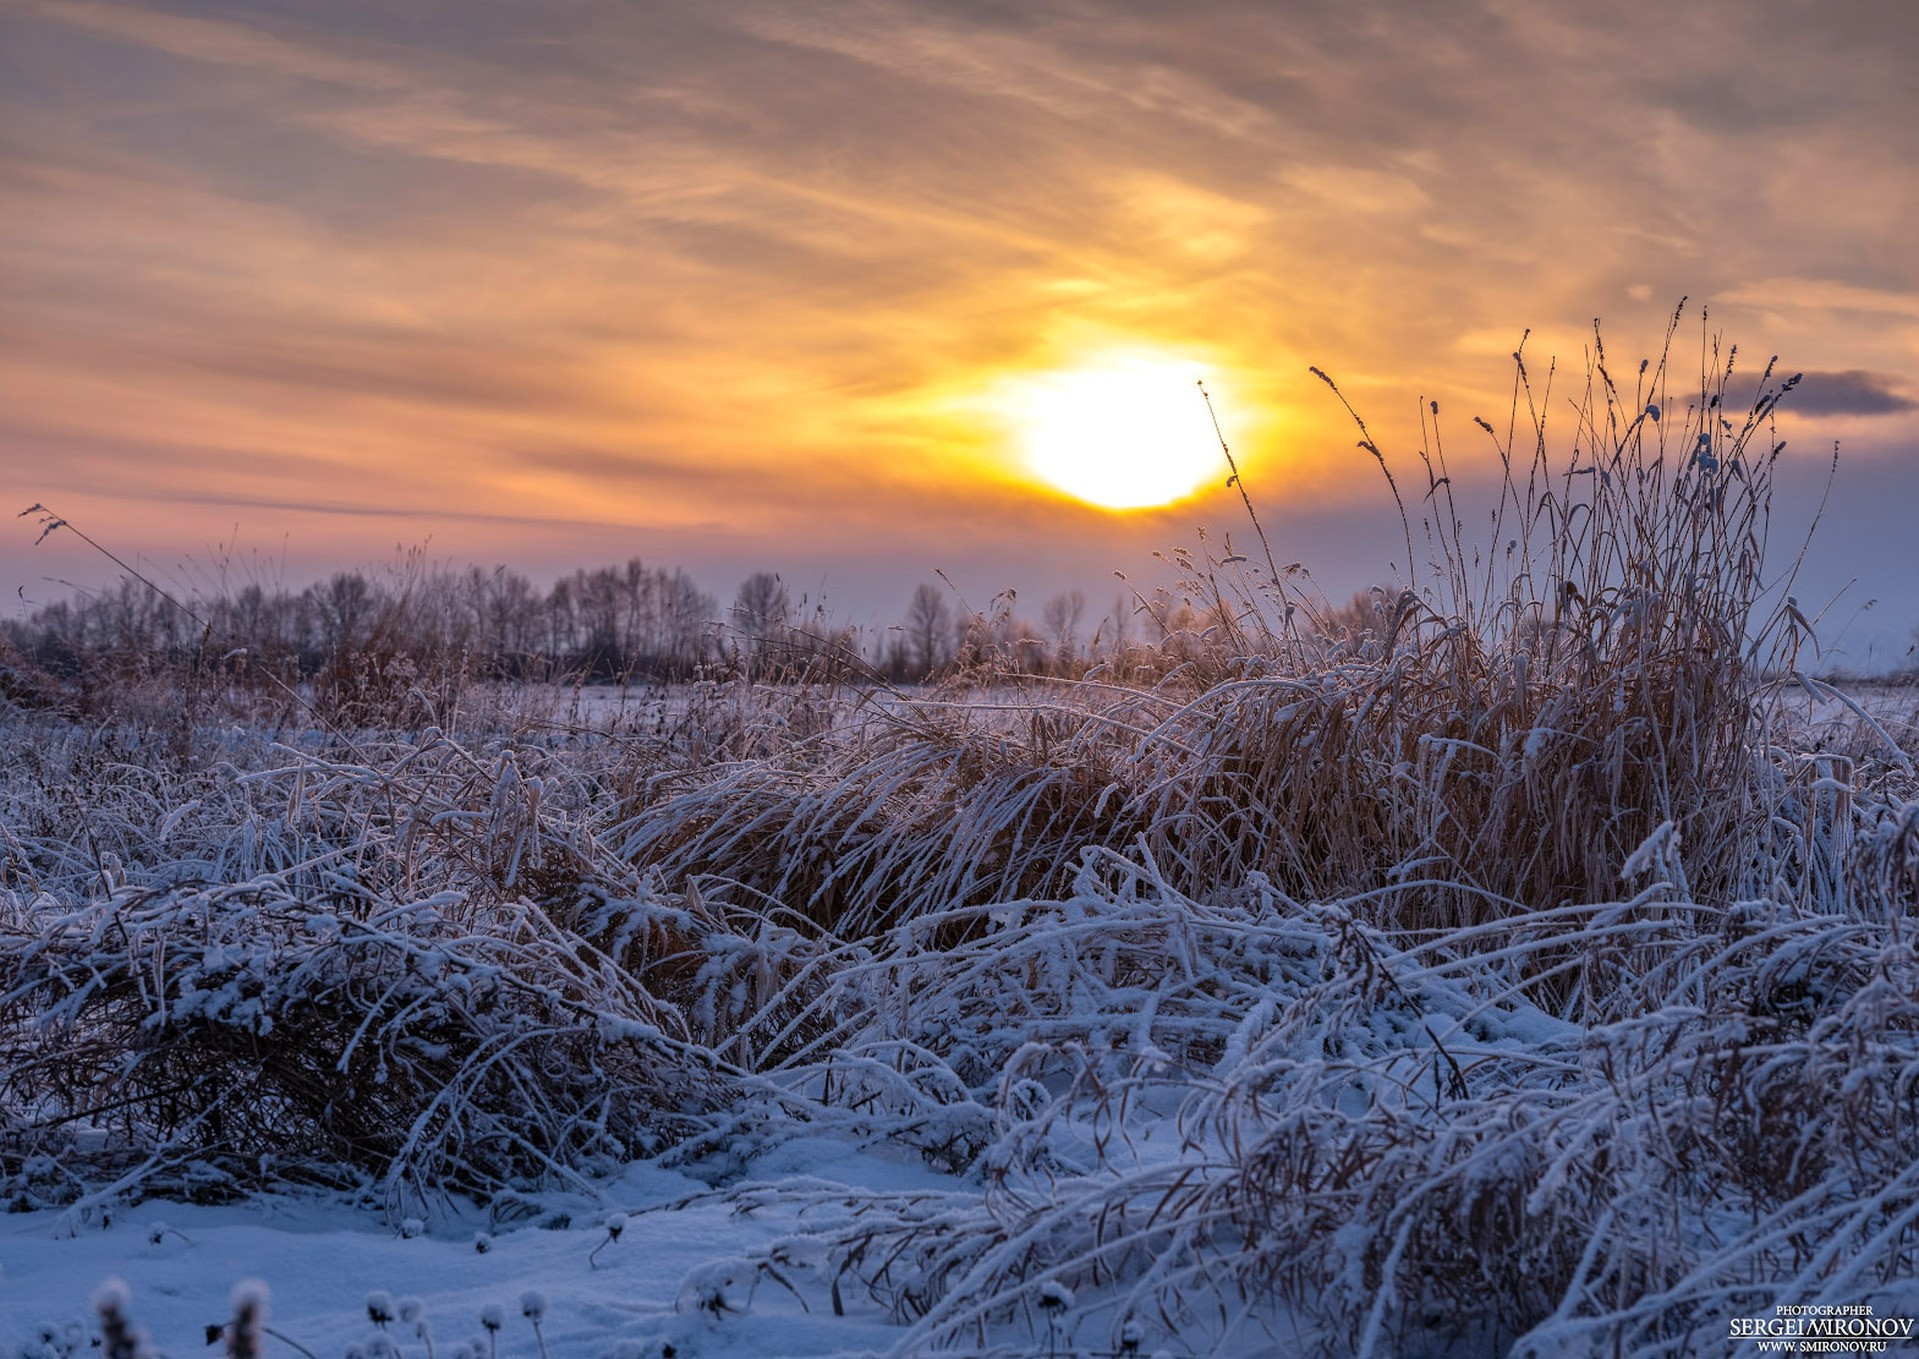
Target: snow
<point x="682" y="1246"/>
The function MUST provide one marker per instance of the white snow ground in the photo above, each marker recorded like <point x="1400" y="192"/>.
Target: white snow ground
<point x="321" y="1259"/>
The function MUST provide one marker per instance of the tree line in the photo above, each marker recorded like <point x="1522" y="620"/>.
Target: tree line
<point x="367" y="644"/>
<point x="614" y="623"/>
<point x="602" y="624"/>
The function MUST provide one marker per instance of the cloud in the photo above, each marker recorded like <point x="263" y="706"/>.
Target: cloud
<point x="1068" y="79"/>
<point x="414" y="514"/>
<point x="215" y="42"/>
<point x="609" y="466"/>
<point x="1357" y="190"/>
<point x="1852" y="392"/>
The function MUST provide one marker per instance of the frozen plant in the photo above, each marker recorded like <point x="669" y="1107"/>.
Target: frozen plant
<point x="119" y="1338"/>
<point x="58" y="1342"/>
<point x="413" y="1312"/>
<point x="615" y="1224"/>
<point x="1055" y="1298"/>
<point x="492" y="1318"/>
<point x="718" y="1288"/>
<point x="533" y="1308"/>
<point x="245" y="1333"/>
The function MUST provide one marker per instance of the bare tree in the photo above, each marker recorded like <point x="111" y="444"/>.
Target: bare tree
<point x="761" y="614"/>
<point x="1120" y="637"/>
<point x="344" y="603"/>
<point x="929" y="627"/>
<point x="761" y="608"/>
<point x="1062" y="617"/>
<point x="686" y="622"/>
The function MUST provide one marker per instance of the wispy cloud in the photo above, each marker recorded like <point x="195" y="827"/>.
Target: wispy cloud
<point x="218" y="42"/>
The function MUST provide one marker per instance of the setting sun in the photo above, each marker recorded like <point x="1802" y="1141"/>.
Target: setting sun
<point x="1124" y="432"/>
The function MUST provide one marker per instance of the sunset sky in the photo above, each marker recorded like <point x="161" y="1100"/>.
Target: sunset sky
<point x="755" y="286"/>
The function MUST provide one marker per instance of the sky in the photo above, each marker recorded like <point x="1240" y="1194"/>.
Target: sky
<point x="297" y="284"/>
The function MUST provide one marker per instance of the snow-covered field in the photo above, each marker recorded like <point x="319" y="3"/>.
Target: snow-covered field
<point x="1105" y="1110"/>
<point x="684" y="1276"/>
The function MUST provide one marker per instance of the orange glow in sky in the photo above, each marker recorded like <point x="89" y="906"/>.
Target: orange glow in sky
<point x="858" y="292"/>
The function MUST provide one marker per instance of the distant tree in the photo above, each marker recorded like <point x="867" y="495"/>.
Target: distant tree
<point x="686" y="624"/>
<point x="929" y="629"/>
<point x="761" y="608"/>
<point x="1119" y="637"/>
<point x="893" y="656"/>
<point x="1062" y="617"/>
<point x="513" y="622"/>
<point x="345" y="606"/>
<point x="559" y="617"/>
<point x="596" y="598"/>
<point x="762" y="613"/>
<point x="453" y="625"/>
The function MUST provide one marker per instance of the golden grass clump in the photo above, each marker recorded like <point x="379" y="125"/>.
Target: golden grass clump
<point x="1509" y="724"/>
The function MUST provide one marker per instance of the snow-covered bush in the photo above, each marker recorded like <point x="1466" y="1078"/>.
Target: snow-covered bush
<point x="364" y="1000"/>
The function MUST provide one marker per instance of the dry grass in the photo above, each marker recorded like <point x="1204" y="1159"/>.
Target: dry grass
<point x="1523" y="715"/>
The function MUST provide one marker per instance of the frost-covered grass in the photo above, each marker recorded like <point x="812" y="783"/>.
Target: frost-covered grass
<point x="1523" y="967"/>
